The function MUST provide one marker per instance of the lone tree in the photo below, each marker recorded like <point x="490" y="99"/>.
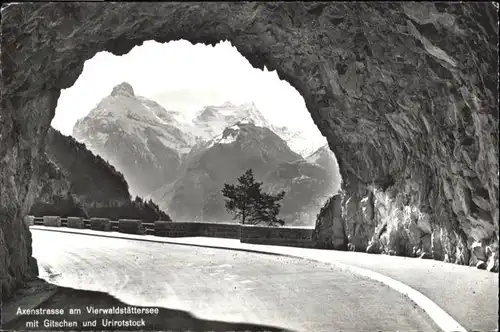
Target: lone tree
<point x="247" y="202"/>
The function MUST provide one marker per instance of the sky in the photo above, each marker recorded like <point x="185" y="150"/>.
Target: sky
<point x="184" y="77"/>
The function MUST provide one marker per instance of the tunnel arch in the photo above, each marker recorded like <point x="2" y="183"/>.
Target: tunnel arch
<point x="396" y="88"/>
<point x="227" y="76"/>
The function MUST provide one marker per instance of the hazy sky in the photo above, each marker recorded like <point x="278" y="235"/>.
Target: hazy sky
<point x="184" y="77"/>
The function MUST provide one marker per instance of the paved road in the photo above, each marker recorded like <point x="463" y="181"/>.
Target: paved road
<point x="221" y="284"/>
<point x="469" y="295"/>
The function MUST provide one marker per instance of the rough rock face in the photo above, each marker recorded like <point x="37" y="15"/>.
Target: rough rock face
<point x="330" y="232"/>
<point x="140" y="138"/>
<point x="405" y="93"/>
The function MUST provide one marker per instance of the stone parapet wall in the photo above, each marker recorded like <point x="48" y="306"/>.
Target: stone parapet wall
<point x="283" y="236"/>
<point x="76" y="222"/>
<point x="100" y="224"/>
<point x="52" y="221"/>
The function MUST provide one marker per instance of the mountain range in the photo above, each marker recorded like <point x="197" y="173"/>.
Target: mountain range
<point x="210" y="121"/>
<point x="139" y="137"/>
<point x="182" y="164"/>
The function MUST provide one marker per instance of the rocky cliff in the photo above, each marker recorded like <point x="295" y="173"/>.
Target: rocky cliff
<point x="405" y="93"/>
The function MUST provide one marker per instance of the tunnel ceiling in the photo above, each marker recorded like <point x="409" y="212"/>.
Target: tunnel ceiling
<point x="378" y="79"/>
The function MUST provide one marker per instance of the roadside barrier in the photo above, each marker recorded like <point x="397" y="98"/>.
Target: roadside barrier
<point x="283" y="236"/>
<point x="131" y="226"/>
<point x="100" y="224"/>
<point x="75" y="222"/>
<point x="52" y="221"/>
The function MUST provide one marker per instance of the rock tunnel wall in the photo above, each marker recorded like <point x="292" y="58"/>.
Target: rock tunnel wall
<point x="405" y="93"/>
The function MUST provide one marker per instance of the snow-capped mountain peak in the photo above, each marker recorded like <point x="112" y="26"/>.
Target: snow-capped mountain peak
<point x="123" y="89"/>
<point x="248" y="111"/>
<point x="210" y="121"/>
<point x="229" y="135"/>
<point x="137" y="135"/>
<point x="228" y="104"/>
<point x="228" y="113"/>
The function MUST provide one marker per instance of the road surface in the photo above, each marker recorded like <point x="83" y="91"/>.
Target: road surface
<point x="226" y="285"/>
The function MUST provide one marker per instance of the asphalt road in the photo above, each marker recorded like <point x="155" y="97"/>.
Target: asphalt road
<point x="468" y="295"/>
<point x="227" y="285"/>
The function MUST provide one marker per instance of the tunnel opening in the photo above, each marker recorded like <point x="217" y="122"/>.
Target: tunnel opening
<point x="370" y="116"/>
<point x="166" y="114"/>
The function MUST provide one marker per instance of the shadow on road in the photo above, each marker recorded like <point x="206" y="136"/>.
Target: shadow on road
<point x="164" y="320"/>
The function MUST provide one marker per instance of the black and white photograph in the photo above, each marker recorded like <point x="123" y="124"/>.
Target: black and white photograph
<point x="249" y="166"/>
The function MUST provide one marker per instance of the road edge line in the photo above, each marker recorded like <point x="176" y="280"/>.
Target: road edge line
<point x="435" y="312"/>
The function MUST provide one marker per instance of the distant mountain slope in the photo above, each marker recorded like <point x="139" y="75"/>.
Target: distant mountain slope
<point x="196" y="195"/>
<point x="139" y="137"/>
<point x="78" y="183"/>
<point x="308" y="183"/>
<point x="54" y="193"/>
<point x="93" y="180"/>
<point x="326" y="159"/>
